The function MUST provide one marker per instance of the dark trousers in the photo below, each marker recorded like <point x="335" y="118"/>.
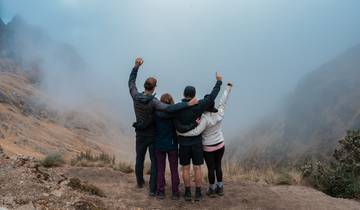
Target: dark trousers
<point x="213" y="163"/>
<point x="161" y="165"/>
<point x="144" y="143"/>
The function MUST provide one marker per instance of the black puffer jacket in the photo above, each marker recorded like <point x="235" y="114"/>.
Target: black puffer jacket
<point x="144" y="107"/>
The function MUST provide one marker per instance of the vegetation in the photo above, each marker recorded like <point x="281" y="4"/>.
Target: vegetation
<point x="76" y="184"/>
<point x="88" y="159"/>
<point x="123" y="167"/>
<point x="341" y="177"/>
<point x="52" y="160"/>
<point x="268" y="175"/>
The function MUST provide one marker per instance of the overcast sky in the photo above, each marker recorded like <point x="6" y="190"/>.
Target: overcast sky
<point x="263" y="46"/>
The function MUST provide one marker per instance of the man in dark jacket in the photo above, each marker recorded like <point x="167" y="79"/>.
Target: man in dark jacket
<point x="145" y="103"/>
<point x="191" y="147"/>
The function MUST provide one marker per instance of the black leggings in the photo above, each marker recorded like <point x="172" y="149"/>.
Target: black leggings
<point x="213" y="163"/>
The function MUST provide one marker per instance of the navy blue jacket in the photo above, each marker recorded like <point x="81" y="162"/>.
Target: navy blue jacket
<point x="165" y="133"/>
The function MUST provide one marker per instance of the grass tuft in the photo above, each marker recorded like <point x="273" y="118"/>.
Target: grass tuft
<point x="52" y="160"/>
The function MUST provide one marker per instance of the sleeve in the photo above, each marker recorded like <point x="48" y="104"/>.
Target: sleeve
<point x="198" y="130"/>
<point x="132" y="82"/>
<point x="183" y="128"/>
<point x="160" y="106"/>
<point x="204" y="103"/>
<point x="223" y="101"/>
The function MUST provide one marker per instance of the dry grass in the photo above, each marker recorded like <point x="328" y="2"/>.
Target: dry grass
<point x="88" y="159"/>
<point x="77" y="184"/>
<point x="123" y="167"/>
<point x="267" y="175"/>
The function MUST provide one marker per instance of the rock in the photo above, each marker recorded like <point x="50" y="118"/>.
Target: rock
<point x="45" y="194"/>
<point x="29" y="206"/>
<point x="57" y="193"/>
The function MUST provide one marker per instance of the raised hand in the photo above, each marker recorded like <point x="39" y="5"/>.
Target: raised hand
<point x="139" y="62"/>
<point x="218" y="76"/>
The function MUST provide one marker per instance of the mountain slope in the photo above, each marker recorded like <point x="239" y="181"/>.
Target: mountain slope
<point x="31" y="122"/>
<point x="324" y="105"/>
<point x="29" y="125"/>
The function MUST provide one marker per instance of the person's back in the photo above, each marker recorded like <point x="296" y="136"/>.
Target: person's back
<point x="166" y="145"/>
<point x="213" y="132"/>
<point x="187" y="116"/>
<point x="190" y="150"/>
<point x="165" y="134"/>
<point x="145" y="103"/>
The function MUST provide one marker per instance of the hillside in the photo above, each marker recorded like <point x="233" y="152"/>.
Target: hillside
<point x="324" y="105"/>
<point x="30" y="126"/>
<point x="31" y="122"/>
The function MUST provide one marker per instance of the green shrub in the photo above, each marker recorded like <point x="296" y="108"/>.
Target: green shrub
<point x="340" y="178"/>
<point x="52" y="160"/>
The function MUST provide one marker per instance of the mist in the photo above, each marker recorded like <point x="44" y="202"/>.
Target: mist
<point x="263" y="46"/>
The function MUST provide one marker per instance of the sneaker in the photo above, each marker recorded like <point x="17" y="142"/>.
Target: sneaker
<point x="198" y="194"/>
<point x="211" y="193"/>
<point x="219" y="191"/>
<point x="160" y="195"/>
<point x="187" y="195"/>
<point x="175" y="196"/>
<point x="152" y="194"/>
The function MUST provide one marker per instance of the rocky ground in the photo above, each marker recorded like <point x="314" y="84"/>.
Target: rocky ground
<point x="24" y="184"/>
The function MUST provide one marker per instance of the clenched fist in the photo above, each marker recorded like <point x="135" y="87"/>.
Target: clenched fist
<point x="218" y="76"/>
<point x="139" y="62"/>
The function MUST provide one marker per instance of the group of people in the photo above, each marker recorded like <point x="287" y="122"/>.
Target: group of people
<point x="189" y="131"/>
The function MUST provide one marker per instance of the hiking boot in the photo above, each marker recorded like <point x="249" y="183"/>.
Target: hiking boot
<point x="160" y="195"/>
<point x="187" y="195"/>
<point x="211" y="193"/>
<point x="175" y="196"/>
<point x="220" y="191"/>
<point x="198" y="194"/>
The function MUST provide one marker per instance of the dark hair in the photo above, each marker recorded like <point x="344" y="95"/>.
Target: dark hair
<point x="189" y="92"/>
<point x="167" y="99"/>
<point x="150" y="84"/>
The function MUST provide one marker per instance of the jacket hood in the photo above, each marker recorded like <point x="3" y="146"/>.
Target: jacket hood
<point x="145" y="99"/>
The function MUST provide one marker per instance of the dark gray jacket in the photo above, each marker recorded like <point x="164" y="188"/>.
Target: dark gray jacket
<point x="145" y="106"/>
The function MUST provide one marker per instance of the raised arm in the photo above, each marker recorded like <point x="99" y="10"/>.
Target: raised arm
<point x="224" y="99"/>
<point x="132" y="79"/>
<point x="204" y="103"/>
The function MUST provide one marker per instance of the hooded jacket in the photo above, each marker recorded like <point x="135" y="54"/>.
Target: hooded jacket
<point x="145" y="106"/>
<point x="189" y="115"/>
<point x="210" y="123"/>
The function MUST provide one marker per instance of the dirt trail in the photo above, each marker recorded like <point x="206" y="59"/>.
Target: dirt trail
<point x="121" y="192"/>
<point x="27" y="186"/>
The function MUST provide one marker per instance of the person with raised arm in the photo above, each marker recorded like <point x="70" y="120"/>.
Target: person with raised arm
<point x="145" y="104"/>
<point x="213" y="142"/>
<point x="191" y="149"/>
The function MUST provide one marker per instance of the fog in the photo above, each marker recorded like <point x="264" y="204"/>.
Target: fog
<point x="263" y="46"/>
